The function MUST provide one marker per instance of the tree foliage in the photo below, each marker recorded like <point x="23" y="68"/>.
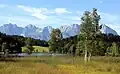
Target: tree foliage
<point x="114" y="49"/>
<point x="89" y="28"/>
<point x="29" y="46"/>
<point x="55" y="42"/>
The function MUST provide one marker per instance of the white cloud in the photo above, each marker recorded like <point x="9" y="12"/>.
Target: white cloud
<point x="36" y="12"/>
<point x="40" y="16"/>
<point x="42" y="13"/>
<point x="27" y="9"/>
<point x="61" y="11"/>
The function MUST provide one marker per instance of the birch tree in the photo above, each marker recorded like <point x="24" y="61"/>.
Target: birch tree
<point x="88" y="29"/>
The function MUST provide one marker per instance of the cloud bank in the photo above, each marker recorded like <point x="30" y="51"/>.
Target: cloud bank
<point x="24" y="15"/>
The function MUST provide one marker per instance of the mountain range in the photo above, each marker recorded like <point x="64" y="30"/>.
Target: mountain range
<point x="44" y="33"/>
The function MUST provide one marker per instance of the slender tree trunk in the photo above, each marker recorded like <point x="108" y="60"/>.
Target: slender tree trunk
<point x="89" y="58"/>
<point x="85" y="57"/>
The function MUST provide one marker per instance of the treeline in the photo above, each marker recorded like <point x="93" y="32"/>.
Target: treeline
<point x="89" y="42"/>
<point x="13" y="43"/>
<point x="104" y="45"/>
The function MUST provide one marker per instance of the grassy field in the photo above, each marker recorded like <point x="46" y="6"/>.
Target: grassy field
<point x="60" y="65"/>
<point x="38" y="48"/>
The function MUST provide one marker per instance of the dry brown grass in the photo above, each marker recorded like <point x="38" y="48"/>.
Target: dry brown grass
<point x="61" y="65"/>
<point x="29" y="68"/>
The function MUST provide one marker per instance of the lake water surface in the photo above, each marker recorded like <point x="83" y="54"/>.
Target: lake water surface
<point x="40" y="54"/>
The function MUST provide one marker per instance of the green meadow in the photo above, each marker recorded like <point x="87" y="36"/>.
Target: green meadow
<point x="37" y="49"/>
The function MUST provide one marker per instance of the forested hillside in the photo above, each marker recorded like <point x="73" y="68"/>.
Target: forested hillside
<point x="13" y="43"/>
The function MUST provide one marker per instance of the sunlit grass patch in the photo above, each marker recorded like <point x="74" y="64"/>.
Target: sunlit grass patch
<point x="37" y="49"/>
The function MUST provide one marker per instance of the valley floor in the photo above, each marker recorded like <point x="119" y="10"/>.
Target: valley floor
<point x="60" y="65"/>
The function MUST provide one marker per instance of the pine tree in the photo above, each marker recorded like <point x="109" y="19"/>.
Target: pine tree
<point x="55" y="43"/>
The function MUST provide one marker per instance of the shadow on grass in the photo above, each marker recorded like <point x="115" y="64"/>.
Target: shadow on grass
<point x="40" y="61"/>
<point x="8" y="60"/>
<point x="22" y="60"/>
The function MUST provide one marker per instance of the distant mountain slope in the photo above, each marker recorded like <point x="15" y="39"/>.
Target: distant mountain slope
<point x="11" y="29"/>
<point x="107" y="30"/>
<point x="71" y="30"/>
<point x="44" y="34"/>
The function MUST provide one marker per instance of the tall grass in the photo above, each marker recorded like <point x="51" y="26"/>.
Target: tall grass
<point x="61" y="65"/>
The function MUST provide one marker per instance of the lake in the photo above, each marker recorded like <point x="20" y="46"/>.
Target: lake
<point x="40" y="54"/>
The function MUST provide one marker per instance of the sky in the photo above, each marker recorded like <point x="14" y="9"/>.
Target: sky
<point x="55" y="13"/>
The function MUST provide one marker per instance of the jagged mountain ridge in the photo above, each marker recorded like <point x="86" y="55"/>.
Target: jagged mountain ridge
<point x="44" y="33"/>
<point x="107" y="30"/>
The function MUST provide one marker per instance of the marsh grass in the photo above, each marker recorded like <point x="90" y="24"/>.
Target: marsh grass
<point x="61" y="65"/>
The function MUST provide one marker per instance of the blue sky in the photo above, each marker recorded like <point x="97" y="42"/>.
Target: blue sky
<point x="57" y="12"/>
